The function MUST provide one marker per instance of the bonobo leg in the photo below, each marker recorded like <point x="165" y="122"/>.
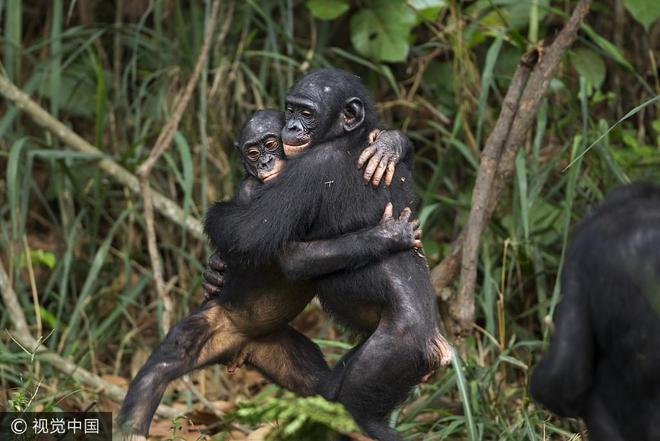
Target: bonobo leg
<point x="382" y="371"/>
<point x="208" y="336"/>
<point x="203" y="337"/>
<point x="599" y="421"/>
<point x="289" y="359"/>
<point x="562" y="380"/>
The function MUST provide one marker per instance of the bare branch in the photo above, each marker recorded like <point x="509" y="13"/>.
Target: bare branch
<point x="162" y="204"/>
<point x="497" y="163"/>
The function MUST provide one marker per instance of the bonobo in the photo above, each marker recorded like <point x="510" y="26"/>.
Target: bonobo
<point x="247" y="322"/>
<point x="603" y="363"/>
<point x="317" y="196"/>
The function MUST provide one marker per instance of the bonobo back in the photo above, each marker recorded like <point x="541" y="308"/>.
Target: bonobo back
<point x="603" y="363"/>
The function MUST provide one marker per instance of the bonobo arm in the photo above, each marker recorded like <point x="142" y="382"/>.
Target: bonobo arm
<point x="306" y="260"/>
<point x="245" y="189"/>
<point x="386" y="149"/>
<point x="279" y="212"/>
<point x="563" y="378"/>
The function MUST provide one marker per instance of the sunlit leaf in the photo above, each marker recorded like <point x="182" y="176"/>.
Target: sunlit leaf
<point x="382" y="30"/>
<point x="429" y="9"/>
<point x="327" y="9"/>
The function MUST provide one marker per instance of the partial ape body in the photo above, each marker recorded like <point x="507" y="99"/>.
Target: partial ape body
<point x="329" y="115"/>
<point x="603" y="363"/>
<point x="247" y="322"/>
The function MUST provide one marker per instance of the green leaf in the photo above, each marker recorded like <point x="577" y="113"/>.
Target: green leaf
<point x="429" y="9"/>
<point x="382" y="30"/>
<point x="590" y="65"/>
<point x="43" y="257"/>
<point x="327" y="9"/>
<point x="644" y="11"/>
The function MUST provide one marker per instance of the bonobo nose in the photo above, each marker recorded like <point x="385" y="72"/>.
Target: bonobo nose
<point x="294" y="125"/>
<point x="267" y="161"/>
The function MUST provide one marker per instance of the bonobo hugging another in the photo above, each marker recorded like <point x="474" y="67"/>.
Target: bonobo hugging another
<point x="309" y="227"/>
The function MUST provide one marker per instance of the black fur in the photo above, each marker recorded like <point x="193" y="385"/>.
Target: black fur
<point x="603" y="363"/>
<point x="320" y="195"/>
<point x="247" y="321"/>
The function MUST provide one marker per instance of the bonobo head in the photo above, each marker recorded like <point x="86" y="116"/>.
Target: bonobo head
<point x="260" y="145"/>
<point x="325" y="105"/>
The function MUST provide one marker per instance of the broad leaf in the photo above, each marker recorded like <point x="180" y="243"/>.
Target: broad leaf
<point x="382" y="30"/>
<point x="327" y="9"/>
<point x="644" y="11"/>
<point x="590" y="65"/>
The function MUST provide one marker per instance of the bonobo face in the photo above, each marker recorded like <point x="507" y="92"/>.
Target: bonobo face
<point x="321" y="106"/>
<point x="260" y="146"/>
<point x="302" y="119"/>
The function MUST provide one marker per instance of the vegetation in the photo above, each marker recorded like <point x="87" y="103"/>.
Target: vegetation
<point x="72" y="238"/>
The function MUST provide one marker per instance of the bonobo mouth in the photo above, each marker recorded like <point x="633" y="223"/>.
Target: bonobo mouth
<point x="291" y="150"/>
<point x="272" y="174"/>
<point x="268" y="177"/>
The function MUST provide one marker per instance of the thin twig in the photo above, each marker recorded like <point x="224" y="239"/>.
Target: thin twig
<point x="163" y="142"/>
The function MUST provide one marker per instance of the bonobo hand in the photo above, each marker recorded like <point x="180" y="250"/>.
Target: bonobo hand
<point x="405" y="233"/>
<point x="383" y="154"/>
<point x="213" y="276"/>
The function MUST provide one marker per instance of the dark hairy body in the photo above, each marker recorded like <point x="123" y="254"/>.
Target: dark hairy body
<point x="247" y="321"/>
<point x="603" y="363"/>
<point x="391" y="302"/>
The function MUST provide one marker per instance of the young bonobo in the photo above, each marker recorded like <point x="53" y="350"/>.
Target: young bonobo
<point x="318" y="196"/>
<point x="603" y="363"/>
<point x="247" y="322"/>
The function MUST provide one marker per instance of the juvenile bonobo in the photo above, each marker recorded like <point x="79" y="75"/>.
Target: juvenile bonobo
<point x="247" y="322"/>
<point x="603" y="363"/>
<point x="391" y="302"/>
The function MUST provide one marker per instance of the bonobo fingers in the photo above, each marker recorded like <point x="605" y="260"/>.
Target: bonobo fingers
<point x="216" y="263"/>
<point x="213" y="277"/>
<point x="389" y="174"/>
<point x="387" y="214"/>
<point x="209" y="290"/>
<point x="417" y="234"/>
<point x="373" y="135"/>
<point x="380" y="171"/>
<point x="366" y="154"/>
<point x="405" y="214"/>
<point x="372" y="166"/>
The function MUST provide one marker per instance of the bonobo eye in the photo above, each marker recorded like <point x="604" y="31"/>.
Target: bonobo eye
<point x="307" y="113"/>
<point x="289" y="108"/>
<point x="271" y="144"/>
<point x="253" y="154"/>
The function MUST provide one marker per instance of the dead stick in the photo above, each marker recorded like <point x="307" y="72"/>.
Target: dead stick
<point x="462" y="308"/>
<point x="144" y="171"/>
<point x="162" y="204"/>
<point x="446" y="270"/>
<point x="537" y="85"/>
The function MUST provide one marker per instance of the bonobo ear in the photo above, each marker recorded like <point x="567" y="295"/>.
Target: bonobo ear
<point x="353" y="113"/>
<point x="237" y="145"/>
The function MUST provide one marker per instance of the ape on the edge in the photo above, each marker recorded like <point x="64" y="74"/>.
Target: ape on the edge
<point x="603" y="363"/>
<point x="319" y="195"/>
<point x="247" y="321"/>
